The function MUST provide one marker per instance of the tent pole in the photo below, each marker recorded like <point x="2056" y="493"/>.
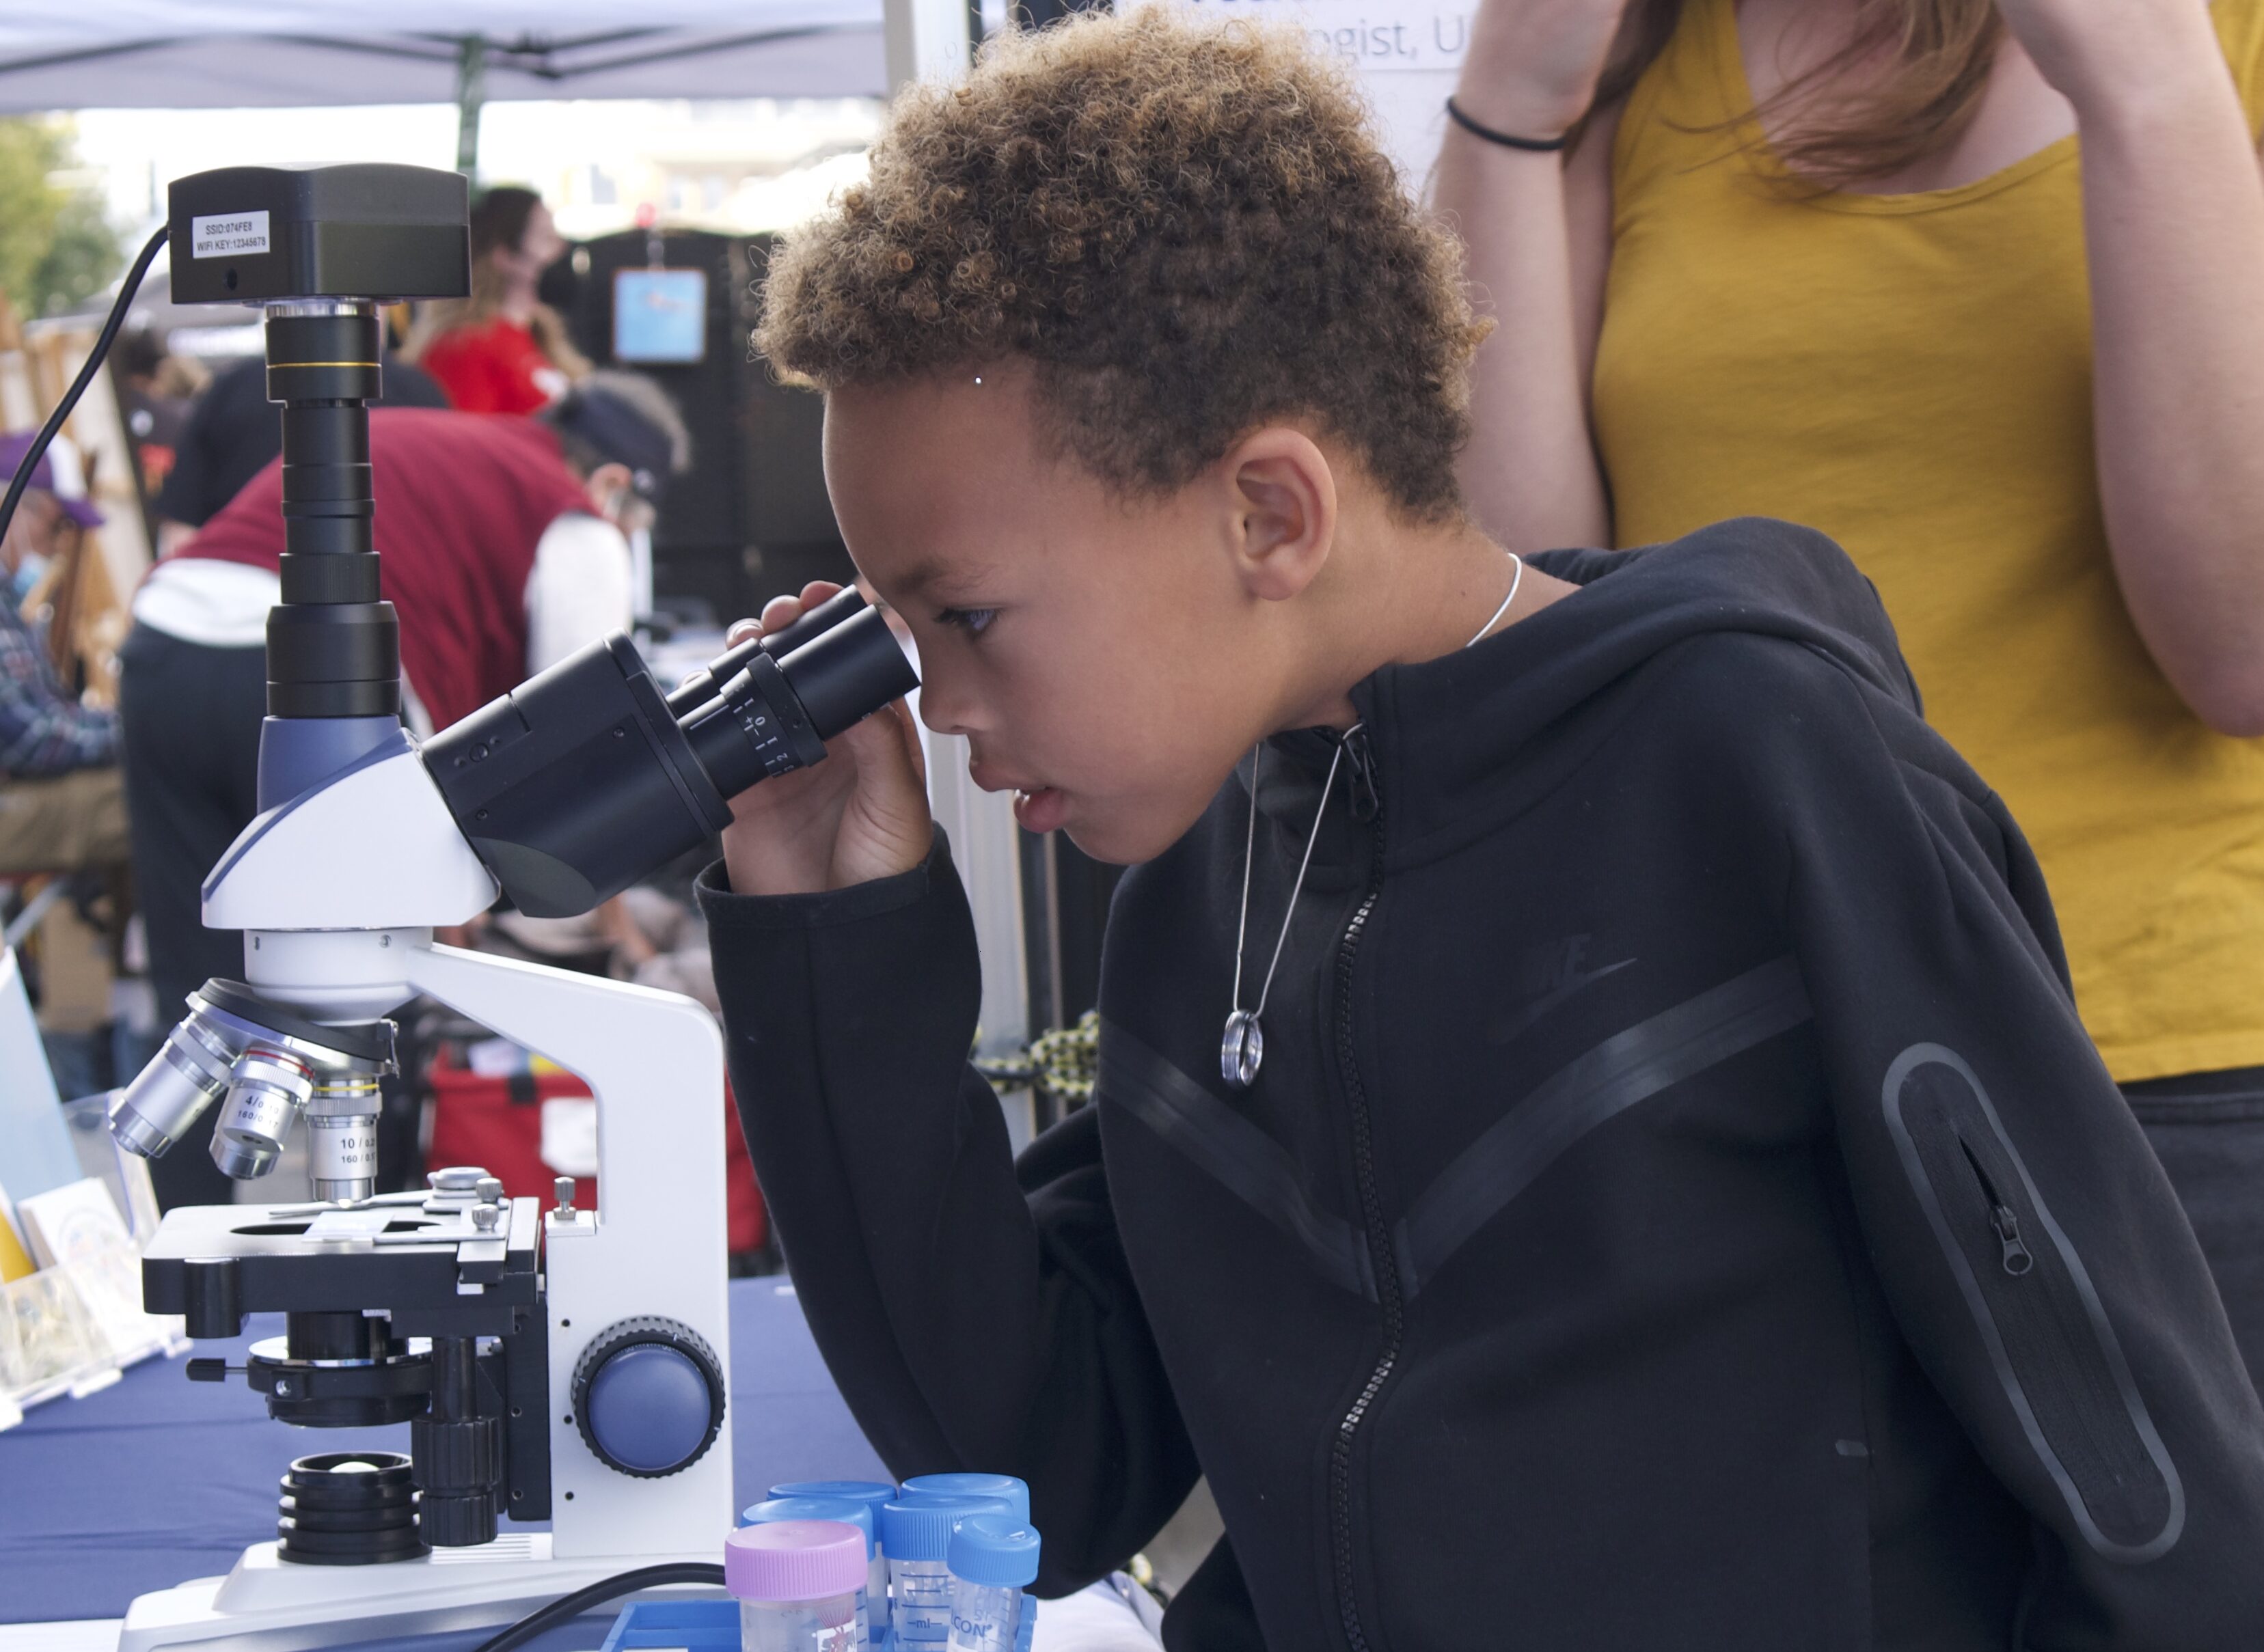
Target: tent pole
<point x="924" y="40"/>
<point x="471" y="92"/>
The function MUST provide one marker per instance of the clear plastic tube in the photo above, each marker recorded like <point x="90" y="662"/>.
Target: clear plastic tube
<point x="798" y="1625"/>
<point x="876" y="1601"/>
<point x="921" y="1612"/>
<point x="984" y="1617"/>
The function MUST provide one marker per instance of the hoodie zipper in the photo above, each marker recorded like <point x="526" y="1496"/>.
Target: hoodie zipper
<point x="2014" y="1254"/>
<point x="1367" y="805"/>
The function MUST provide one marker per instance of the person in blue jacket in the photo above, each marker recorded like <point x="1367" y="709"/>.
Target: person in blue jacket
<point x="61" y="808"/>
<point x="1594" y="1145"/>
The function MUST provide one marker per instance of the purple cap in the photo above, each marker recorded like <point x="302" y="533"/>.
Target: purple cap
<point x="12" y="449"/>
<point x="795" y="1560"/>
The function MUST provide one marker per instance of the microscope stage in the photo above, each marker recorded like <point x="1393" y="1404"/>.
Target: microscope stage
<point x="253" y="1259"/>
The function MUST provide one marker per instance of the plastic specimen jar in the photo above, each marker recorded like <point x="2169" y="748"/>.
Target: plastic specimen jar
<point x="872" y="1493"/>
<point x="993" y="1558"/>
<point x="849" y="1511"/>
<point x="1015" y="1493"/>
<point x="915" y="1533"/>
<point x="796" y="1584"/>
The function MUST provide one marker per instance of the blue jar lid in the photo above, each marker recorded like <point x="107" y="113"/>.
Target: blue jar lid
<point x="996" y="1550"/>
<point x="848" y="1510"/>
<point x="875" y="1492"/>
<point x="920" y="1528"/>
<point x="1015" y="1493"/>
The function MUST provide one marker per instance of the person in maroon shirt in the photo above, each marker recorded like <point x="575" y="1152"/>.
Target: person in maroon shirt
<point x="502" y="350"/>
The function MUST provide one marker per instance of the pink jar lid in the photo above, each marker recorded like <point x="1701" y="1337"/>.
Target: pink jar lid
<point x="795" y="1560"/>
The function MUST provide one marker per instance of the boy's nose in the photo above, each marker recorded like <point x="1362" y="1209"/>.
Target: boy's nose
<point x="944" y="708"/>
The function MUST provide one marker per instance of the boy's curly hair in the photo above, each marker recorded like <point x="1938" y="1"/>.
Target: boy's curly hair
<point x="1185" y="227"/>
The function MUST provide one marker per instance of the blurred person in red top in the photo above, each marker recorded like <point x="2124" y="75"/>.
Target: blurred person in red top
<point x="502" y="350"/>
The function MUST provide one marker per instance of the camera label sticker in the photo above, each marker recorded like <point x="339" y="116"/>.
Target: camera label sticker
<point x="228" y="234"/>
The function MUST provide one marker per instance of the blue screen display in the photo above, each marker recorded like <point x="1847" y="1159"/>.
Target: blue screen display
<point x="660" y="314"/>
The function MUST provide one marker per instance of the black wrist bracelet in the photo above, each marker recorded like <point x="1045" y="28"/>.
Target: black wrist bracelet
<point x="1538" y="146"/>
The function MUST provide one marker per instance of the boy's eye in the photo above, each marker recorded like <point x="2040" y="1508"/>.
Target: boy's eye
<point x="974" y="621"/>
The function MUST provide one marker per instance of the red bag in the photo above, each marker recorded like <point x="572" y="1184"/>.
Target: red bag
<point x="496" y="1123"/>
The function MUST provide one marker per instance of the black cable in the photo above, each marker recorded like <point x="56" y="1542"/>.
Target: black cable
<point x="570" y="1606"/>
<point x="94" y="360"/>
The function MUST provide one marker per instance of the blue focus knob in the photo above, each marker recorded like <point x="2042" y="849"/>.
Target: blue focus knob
<point x="649" y="1397"/>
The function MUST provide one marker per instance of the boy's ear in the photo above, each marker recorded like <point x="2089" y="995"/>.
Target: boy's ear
<point x="1283" y="499"/>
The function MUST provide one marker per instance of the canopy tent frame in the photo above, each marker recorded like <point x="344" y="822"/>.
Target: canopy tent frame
<point x="530" y="52"/>
<point x="149" y="54"/>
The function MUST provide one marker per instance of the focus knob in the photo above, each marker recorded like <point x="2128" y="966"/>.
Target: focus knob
<point x="649" y="1397"/>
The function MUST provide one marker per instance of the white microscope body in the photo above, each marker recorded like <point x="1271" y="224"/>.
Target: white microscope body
<point x="560" y="795"/>
<point x="338" y="892"/>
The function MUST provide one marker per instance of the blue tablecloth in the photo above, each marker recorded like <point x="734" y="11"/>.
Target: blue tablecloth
<point x="155" y="1480"/>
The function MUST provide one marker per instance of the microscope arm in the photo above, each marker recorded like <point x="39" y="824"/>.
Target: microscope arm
<point x="655" y="1063"/>
<point x="620" y="1039"/>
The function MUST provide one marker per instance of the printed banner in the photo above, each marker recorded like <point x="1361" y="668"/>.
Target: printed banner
<point x="1407" y="56"/>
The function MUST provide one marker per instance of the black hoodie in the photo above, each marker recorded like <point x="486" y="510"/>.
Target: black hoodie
<point x="1679" y="1207"/>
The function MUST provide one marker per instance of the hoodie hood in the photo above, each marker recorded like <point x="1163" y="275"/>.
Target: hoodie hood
<point x="1444" y="731"/>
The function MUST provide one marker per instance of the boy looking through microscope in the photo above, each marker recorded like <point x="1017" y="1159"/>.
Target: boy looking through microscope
<point x="1589" y="1098"/>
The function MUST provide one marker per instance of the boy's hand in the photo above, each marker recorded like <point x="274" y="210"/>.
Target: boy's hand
<point x="862" y="813"/>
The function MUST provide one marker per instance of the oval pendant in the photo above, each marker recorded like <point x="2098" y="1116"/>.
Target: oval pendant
<point x="1242" y="1049"/>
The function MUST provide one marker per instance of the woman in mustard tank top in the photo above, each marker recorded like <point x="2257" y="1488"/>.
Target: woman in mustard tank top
<point x="1978" y="290"/>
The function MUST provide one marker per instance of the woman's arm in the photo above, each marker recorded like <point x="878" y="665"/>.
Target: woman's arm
<point x="1539" y="236"/>
<point x="2174" y="227"/>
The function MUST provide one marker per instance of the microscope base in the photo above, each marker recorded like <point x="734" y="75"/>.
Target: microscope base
<point x="267" y="1604"/>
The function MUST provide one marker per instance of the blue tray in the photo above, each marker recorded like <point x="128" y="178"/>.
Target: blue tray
<point x="698" y="1626"/>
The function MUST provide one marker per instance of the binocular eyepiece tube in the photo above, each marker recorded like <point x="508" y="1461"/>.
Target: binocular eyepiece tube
<point x="585" y="778"/>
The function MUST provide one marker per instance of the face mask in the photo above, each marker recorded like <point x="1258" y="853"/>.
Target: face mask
<point x="25" y="576"/>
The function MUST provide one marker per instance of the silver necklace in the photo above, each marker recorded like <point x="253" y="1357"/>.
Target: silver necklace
<point x="1241" y="1050"/>
<point x="1244" y="1046"/>
<point x="1515" y="580"/>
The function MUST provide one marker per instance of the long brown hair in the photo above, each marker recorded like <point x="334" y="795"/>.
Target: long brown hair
<point x="499" y="224"/>
<point x="1940" y="55"/>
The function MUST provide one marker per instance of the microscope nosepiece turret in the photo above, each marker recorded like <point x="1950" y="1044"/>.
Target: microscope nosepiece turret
<point x="272" y="1066"/>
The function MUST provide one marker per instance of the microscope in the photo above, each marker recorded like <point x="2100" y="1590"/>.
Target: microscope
<point x="552" y="1364"/>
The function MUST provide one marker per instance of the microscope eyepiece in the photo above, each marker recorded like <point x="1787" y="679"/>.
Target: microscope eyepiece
<point x="699" y="687"/>
<point x="848" y="672"/>
<point x="776" y="715"/>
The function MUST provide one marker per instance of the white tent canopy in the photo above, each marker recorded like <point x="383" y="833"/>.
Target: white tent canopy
<point x="239" y="54"/>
